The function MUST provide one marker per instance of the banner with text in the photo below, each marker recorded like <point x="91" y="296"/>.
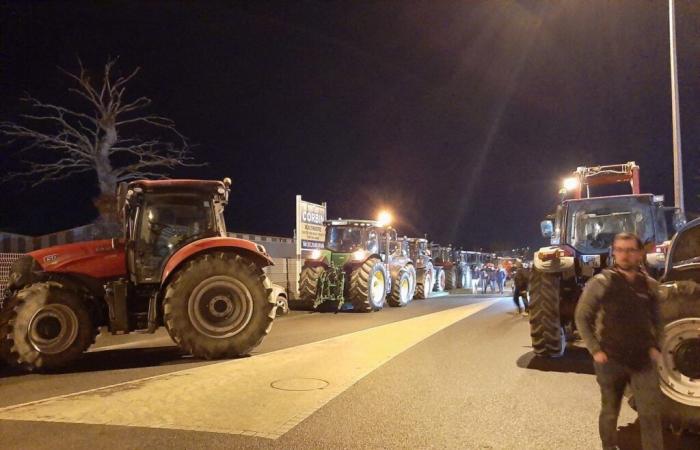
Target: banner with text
<point x="310" y="232"/>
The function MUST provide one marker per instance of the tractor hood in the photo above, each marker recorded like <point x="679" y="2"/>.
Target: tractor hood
<point x="97" y="259"/>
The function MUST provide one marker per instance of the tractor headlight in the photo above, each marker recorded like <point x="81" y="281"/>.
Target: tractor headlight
<point x="315" y="254"/>
<point x="359" y="255"/>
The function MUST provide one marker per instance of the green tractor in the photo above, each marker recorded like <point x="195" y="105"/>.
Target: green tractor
<point x="362" y="264"/>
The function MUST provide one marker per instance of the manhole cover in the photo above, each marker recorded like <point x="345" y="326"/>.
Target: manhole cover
<point x="299" y="384"/>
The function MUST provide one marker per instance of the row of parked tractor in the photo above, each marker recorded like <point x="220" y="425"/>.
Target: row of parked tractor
<point x="365" y="265"/>
<point x="175" y="266"/>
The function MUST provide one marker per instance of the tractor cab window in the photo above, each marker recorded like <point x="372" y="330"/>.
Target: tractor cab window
<point x="372" y="242"/>
<point x="345" y="239"/>
<point x="592" y="225"/>
<point x="170" y="221"/>
<point x="686" y="249"/>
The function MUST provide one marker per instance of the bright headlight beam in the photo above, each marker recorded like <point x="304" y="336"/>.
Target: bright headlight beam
<point x="570" y="183"/>
<point x="384" y="218"/>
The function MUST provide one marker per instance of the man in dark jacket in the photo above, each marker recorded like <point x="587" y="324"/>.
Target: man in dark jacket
<point x="618" y="318"/>
<point x="521" y="280"/>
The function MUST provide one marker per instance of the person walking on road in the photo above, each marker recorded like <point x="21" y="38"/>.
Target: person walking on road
<point x="618" y="318"/>
<point x="521" y="281"/>
<point x="501" y="278"/>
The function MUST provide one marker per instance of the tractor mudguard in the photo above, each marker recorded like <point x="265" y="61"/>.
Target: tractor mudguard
<point x="556" y="264"/>
<point x="250" y="250"/>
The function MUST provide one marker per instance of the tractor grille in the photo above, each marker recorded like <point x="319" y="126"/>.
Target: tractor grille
<point x="6" y="260"/>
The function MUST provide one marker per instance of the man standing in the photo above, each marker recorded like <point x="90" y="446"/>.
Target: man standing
<point x="618" y="318"/>
<point x="521" y="281"/>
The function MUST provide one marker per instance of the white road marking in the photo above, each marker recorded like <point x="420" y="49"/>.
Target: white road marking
<point x="237" y="397"/>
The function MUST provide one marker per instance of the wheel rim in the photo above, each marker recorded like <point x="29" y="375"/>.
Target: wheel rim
<point x="405" y="289"/>
<point x="220" y="307"/>
<point x="679" y="369"/>
<point x="53" y="329"/>
<point x="442" y="281"/>
<point x="378" y="288"/>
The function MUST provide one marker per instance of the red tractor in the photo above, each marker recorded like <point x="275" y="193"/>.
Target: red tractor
<point x="581" y="232"/>
<point x="173" y="267"/>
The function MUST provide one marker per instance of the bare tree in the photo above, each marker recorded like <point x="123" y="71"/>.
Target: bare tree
<point x="74" y="141"/>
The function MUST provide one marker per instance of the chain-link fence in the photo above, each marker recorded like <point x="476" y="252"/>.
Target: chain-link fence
<point x="6" y="260"/>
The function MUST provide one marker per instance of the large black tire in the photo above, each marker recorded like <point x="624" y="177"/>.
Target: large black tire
<point x="426" y="279"/>
<point x="364" y="291"/>
<point x="450" y="279"/>
<point x="400" y="294"/>
<point x="45" y="326"/>
<point x="679" y="306"/>
<point x="440" y="281"/>
<point x="218" y="305"/>
<point x="308" y="282"/>
<point x="545" y="323"/>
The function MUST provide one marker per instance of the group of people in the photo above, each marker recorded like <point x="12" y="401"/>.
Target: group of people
<point x="490" y="276"/>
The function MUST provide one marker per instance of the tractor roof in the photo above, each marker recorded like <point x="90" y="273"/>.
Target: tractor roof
<point x="416" y="239"/>
<point x="352" y="223"/>
<point x="178" y="185"/>
<point x="607" y="197"/>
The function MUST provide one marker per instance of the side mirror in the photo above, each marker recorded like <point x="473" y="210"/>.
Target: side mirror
<point x="547" y="228"/>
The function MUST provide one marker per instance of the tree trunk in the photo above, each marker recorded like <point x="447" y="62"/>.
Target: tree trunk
<point x="106" y="179"/>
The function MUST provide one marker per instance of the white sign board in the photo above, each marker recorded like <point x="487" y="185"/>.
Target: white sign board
<point x="310" y="232"/>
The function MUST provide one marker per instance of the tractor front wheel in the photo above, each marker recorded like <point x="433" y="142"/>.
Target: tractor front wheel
<point x="400" y="289"/>
<point x="308" y="284"/>
<point x="368" y="286"/>
<point x="424" y="286"/>
<point x="545" y="324"/>
<point x="450" y="279"/>
<point x="45" y="326"/>
<point x="440" y="281"/>
<point x="218" y="305"/>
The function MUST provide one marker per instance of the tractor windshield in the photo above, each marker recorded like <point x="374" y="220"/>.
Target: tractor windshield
<point x="345" y="239"/>
<point x="593" y="223"/>
<point x="172" y="220"/>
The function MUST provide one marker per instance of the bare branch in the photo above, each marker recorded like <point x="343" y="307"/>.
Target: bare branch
<point x="91" y="140"/>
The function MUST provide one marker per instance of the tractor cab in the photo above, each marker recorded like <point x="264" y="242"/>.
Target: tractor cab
<point x="352" y="240"/>
<point x="443" y="256"/>
<point x="418" y="248"/>
<point x="160" y="217"/>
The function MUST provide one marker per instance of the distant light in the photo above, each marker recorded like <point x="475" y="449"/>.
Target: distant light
<point x="316" y="254"/>
<point x="384" y="218"/>
<point x="570" y="183"/>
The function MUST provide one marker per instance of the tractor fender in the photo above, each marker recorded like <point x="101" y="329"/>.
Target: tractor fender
<point x="255" y="252"/>
<point x="555" y="265"/>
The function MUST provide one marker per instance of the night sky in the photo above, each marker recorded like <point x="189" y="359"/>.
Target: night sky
<point x="462" y="117"/>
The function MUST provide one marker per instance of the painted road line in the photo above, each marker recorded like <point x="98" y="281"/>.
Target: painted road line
<point x="265" y="395"/>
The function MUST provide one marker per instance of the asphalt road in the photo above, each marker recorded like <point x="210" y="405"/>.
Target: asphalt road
<point x="448" y="372"/>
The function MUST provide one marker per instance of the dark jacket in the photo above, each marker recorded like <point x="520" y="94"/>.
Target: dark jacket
<point x="620" y="318"/>
<point x="521" y="279"/>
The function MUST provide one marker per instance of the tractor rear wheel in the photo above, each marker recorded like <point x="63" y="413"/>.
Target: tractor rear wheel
<point x="308" y="284"/>
<point x="218" y="305"/>
<point x="439" y="280"/>
<point x="400" y="289"/>
<point x="424" y="286"/>
<point x="450" y="279"/>
<point x="679" y="367"/>
<point x="45" y="326"/>
<point x="368" y="286"/>
<point x="545" y="324"/>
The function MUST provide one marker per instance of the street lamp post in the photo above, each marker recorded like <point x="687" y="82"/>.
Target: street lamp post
<point x="677" y="156"/>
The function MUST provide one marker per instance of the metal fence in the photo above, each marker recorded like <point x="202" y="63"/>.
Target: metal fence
<point x="6" y="260"/>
